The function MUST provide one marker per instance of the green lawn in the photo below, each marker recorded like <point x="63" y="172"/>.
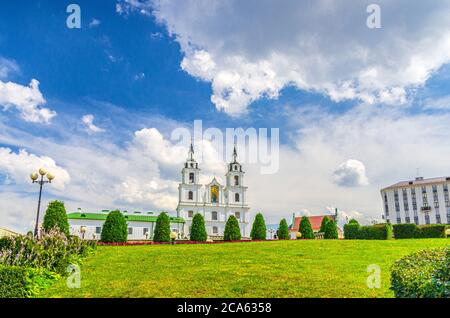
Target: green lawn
<point x="316" y="268"/>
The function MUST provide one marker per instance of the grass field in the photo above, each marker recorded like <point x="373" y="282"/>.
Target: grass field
<point x="316" y="268"/>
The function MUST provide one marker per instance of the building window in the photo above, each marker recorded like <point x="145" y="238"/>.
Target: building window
<point x="190" y="195"/>
<point x="448" y="215"/>
<point x="215" y="230"/>
<point x="191" y="177"/>
<point x="214" y="194"/>
<point x="214" y="216"/>
<point x="190" y="214"/>
<point x="405" y="200"/>
<point x="407" y="220"/>
<point x="98" y="230"/>
<point x="236" y="197"/>
<point x="396" y="201"/>
<point x="399" y="220"/>
<point x="413" y="199"/>
<point x="145" y="230"/>
<point x="238" y="215"/>
<point x="386" y="206"/>
<point x="416" y="219"/>
<point x="424" y="197"/>
<point x="130" y="230"/>
<point x="427" y="217"/>
<point x="236" y="180"/>
<point x="235" y="168"/>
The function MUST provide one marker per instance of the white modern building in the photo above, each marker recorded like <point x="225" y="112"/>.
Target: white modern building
<point x="88" y="225"/>
<point x="419" y="201"/>
<point x="214" y="201"/>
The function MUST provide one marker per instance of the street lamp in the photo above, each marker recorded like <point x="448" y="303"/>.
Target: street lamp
<point x="34" y="177"/>
<point x="82" y="231"/>
<point x="173" y="236"/>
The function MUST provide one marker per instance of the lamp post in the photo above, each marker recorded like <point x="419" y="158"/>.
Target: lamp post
<point x="173" y="236"/>
<point x="34" y="177"/>
<point x="82" y="231"/>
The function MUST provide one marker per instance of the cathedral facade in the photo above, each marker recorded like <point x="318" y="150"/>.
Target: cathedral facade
<point x="216" y="202"/>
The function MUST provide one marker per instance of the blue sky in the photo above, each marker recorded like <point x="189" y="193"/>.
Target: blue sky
<point x="345" y="98"/>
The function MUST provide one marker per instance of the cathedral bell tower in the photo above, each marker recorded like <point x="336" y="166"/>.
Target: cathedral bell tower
<point x="235" y="189"/>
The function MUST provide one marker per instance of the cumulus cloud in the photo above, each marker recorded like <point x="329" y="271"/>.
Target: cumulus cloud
<point x="27" y="100"/>
<point x="94" y="23"/>
<point x="88" y="121"/>
<point x="441" y="103"/>
<point x="351" y="173"/>
<point x="254" y="49"/>
<point x="18" y="167"/>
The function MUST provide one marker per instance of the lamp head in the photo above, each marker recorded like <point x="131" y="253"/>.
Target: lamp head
<point x="50" y="176"/>
<point x="173" y="235"/>
<point x="42" y="172"/>
<point x="34" y="176"/>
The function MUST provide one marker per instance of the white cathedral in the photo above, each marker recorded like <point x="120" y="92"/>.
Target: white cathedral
<point x="214" y="201"/>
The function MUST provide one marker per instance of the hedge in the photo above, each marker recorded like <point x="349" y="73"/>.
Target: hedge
<point x="405" y="231"/>
<point x="22" y="282"/>
<point x="381" y="231"/>
<point x="424" y="274"/>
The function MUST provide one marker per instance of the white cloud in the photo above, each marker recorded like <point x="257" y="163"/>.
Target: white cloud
<point x="18" y="167"/>
<point x="441" y="103"/>
<point x="254" y="49"/>
<point x="94" y="23"/>
<point x="88" y="121"/>
<point x="351" y="173"/>
<point x="7" y="66"/>
<point x="27" y="100"/>
<point x="139" y="76"/>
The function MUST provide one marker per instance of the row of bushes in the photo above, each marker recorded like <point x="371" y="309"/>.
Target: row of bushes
<point x="405" y="231"/>
<point x="424" y="274"/>
<point x="354" y="231"/>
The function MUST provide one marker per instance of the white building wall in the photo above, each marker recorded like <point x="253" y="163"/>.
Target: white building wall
<point x="438" y="204"/>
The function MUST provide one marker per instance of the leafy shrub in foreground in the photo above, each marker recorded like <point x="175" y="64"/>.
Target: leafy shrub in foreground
<point x="162" y="228"/>
<point x="232" y="231"/>
<point x="56" y="218"/>
<point x="305" y="228"/>
<point x="115" y="228"/>
<point x="283" y="230"/>
<point x="259" y="228"/>
<point x="424" y="274"/>
<point x="198" y="230"/>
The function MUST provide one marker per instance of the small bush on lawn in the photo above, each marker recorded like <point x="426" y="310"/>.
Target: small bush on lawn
<point x="162" y="228"/>
<point x="259" y="228"/>
<point x="331" y="231"/>
<point x="22" y="282"/>
<point x="115" y="228"/>
<point x="431" y="231"/>
<point x="323" y="225"/>
<point x="305" y="228"/>
<point x="351" y="230"/>
<point x="232" y="231"/>
<point x="283" y="230"/>
<point x="198" y="230"/>
<point x="424" y="274"/>
<point x="56" y="218"/>
<point x="404" y="231"/>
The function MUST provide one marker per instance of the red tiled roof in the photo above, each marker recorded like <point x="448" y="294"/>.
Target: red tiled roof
<point x="316" y="221"/>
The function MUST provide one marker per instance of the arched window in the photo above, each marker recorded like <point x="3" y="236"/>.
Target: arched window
<point x="191" y="177"/>
<point x="190" y="214"/>
<point x="236" y="180"/>
<point x="238" y="215"/>
<point x="236" y="197"/>
<point x="214" y="193"/>
<point x="190" y="195"/>
<point x="214" y="216"/>
<point x="215" y="230"/>
<point x="235" y="168"/>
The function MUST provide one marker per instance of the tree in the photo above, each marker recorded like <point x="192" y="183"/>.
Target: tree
<point x="115" y="228"/>
<point x="353" y="221"/>
<point x="162" y="228"/>
<point x="198" y="230"/>
<point x="324" y="223"/>
<point x="283" y="230"/>
<point x="232" y="231"/>
<point x="305" y="228"/>
<point x="331" y="231"/>
<point x="56" y="217"/>
<point x="259" y="228"/>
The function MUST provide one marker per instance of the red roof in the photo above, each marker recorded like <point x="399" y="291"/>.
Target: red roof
<point x="316" y="221"/>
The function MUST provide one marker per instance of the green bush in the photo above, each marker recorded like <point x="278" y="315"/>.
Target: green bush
<point x="115" y="228"/>
<point x="283" y="230"/>
<point x="22" y="282"/>
<point x="232" y="231"/>
<point x="405" y="231"/>
<point x="5" y="243"/>
<point x="351" y="231"/>
<point x="431" y="231"/>
<point x="324" y="223"/>
<point x="56" y="217"/>
<point x="305" y="228"/>
<point x="162" y="228"/>
<point x="424" y="274"/>
<point x="259" y="228"/>
<point x="331" y="231"/>
<point x="198" y="230"/>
